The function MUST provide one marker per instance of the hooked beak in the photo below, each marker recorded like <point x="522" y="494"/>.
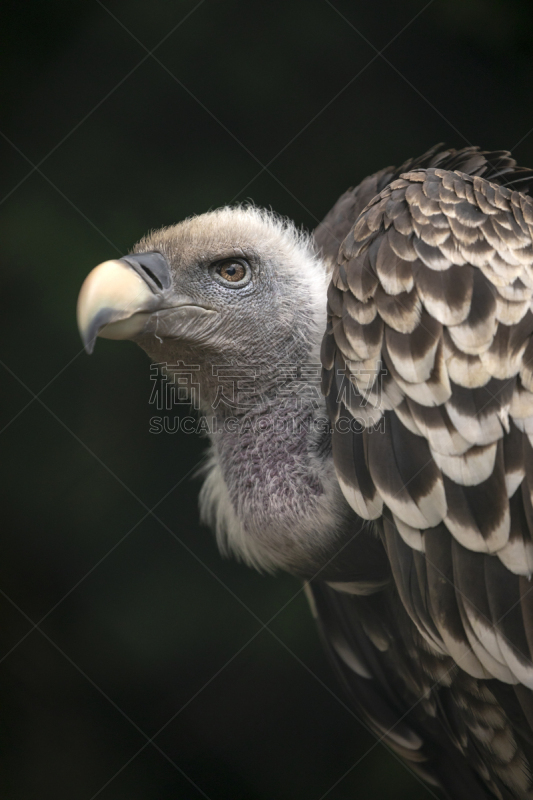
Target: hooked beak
<point x="118" y="297"/>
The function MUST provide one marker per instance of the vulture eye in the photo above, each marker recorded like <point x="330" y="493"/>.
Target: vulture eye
<point x="233" y="272"/>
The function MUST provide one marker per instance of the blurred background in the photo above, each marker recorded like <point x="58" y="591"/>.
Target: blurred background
<point x="133" y="662"/>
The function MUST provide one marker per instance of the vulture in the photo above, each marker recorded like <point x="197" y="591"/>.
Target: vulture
<point x="370" y="395"/>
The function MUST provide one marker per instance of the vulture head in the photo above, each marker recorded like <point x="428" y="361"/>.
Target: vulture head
<point x="237" y="287"/>
<point x="233" y="286"/>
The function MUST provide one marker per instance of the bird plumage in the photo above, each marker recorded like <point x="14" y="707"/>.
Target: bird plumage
<point x="429" y="321"/>
<point x="410" y="513"/>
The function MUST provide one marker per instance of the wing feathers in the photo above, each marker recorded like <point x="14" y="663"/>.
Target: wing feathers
<point x="443" y="601"/>
<point x="395" y="274"/>
<point x="402" y="289"/>
<point x="471" y="593"/>
<point x="446" y="295"/>
<point x="434" y="423"/>
<point x="402" y="470"/>
<point x="413" y="354"/>
<point x="352" y="470"/>
<point x="473" y="467"/>
<point x="503" y="592"/>
<point x="401" y="312"/>
<point x="431" y="311"/>
<point x="475" y="334"/>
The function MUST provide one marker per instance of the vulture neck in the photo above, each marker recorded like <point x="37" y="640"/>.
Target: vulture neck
<point x="271" y="492"/>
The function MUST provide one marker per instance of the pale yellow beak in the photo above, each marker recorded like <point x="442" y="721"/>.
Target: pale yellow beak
<point x="114" y="303"/>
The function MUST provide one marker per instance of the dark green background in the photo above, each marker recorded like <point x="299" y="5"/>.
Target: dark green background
<point x="146" y="630"/>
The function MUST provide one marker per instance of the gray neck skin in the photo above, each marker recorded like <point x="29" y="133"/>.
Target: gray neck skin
<point x="271" y="492"/>
<point x="267" y="455"/>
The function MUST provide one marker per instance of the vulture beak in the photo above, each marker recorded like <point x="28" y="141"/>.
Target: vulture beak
<point x="118" y="297"/>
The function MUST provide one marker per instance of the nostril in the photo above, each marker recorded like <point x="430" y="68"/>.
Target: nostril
<point x="151" y="275"/>
<point x="153" y="267"/>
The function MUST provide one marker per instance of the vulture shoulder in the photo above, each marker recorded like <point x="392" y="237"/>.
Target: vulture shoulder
<point x="428" y="376"/>
<point x="496" y="166"/>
